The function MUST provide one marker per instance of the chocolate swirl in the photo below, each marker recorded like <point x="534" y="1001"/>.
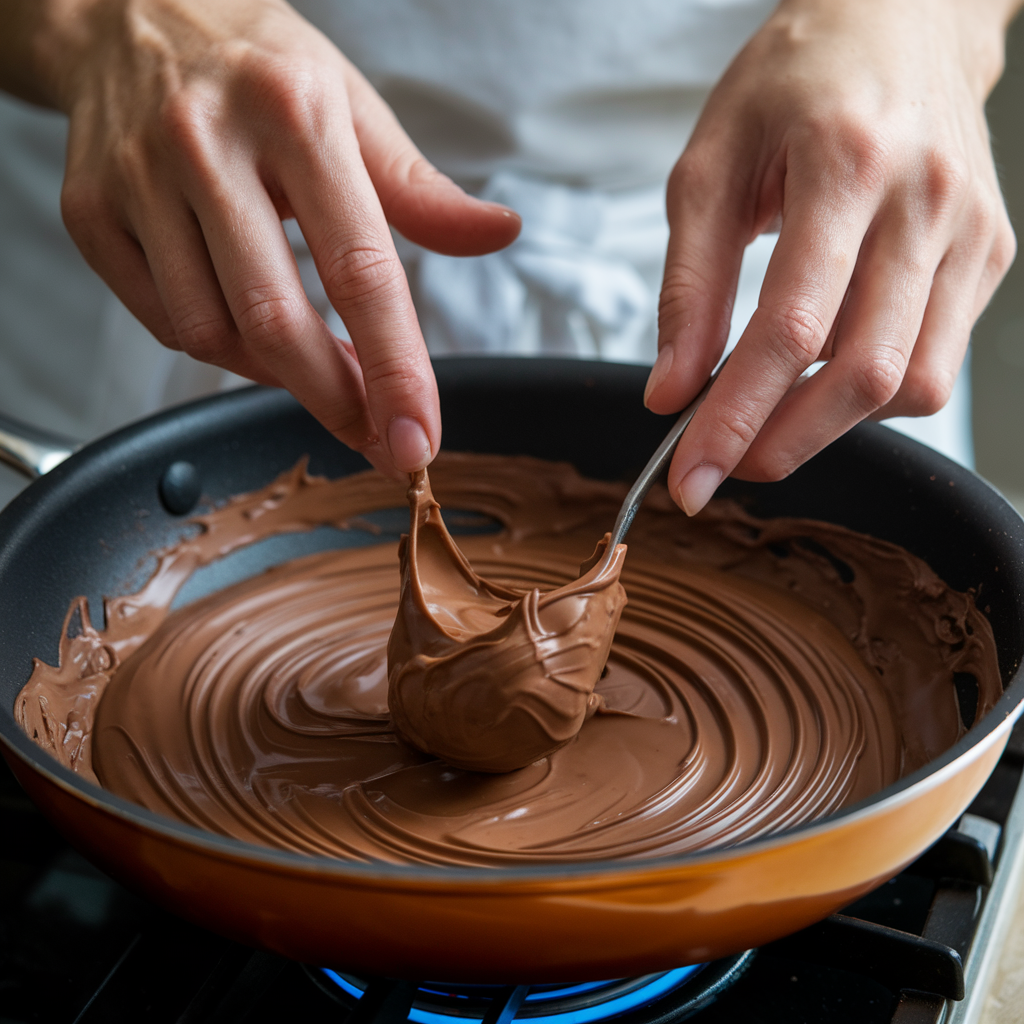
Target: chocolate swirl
<point x="486" y="676"/>
<point x="762" y="675"/>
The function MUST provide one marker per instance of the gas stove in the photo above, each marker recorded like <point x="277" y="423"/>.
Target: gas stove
<point x="76" y="948"/>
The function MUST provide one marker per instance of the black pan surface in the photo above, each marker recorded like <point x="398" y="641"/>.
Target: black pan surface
<point x="89" y="526"/>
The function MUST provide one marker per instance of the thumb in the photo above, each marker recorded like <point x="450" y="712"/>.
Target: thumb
<point x="708" y="231"/>
<point x="426" y="206"/>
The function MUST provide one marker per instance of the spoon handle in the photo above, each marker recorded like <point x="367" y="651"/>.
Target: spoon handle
<point x="658" y="461"/>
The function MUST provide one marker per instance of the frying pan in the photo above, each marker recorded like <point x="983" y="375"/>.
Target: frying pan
<point x="87" y="526"/>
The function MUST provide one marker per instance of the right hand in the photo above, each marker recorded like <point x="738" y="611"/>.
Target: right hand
<point x="195" y="128"/>
<point x="857" y="128"/>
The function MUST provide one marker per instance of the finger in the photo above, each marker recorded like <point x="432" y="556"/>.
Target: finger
<point x="197" y="314"/>
<point x="422" y="203"/>
<point x="116" y="256"/>
<point x="186" y="304"/>
<point x="999" y="259"/>
<point x="941" y="344"/>
<point x="964" y="283"/>
<point x="884" y="320"/>
<point x="257" y="313"/>
<point x="804" y="287"/>
<point x="342" y="220"/>
<point x="710" y="225"/>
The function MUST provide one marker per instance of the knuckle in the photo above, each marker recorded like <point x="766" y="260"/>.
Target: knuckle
<point x="392" y="375"/>
<point x="361" y="272"/>
<point x="984" y="222"/>
<point x="866" y="151"/>
<point x="1004" y="248"/>
<point x="916" y="264"/>
<point x="945" y="179"/>
<point x="203" y="335"/>
<point x="876" y="379"/>
<point x="688" y="178"/>
<point x="267" y="320"/>
<point x="347" y="421"/>
<point x="294" y="96"/>
<point x="855" y="150"/>
<point x="187" y="120"/>
<point x="420" y="172"/>
<point x="683" y="286"/>
<point x="684" y="291"/>
<point x="405" y="176"/>
<point x="738" y="426"/>
<point x="82" y="207"/>
<point x="926" y="391"/>
<point x="796" y="335"/>
<point x="763" y="466"/>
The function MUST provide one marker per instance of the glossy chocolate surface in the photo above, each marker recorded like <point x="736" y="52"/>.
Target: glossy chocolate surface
<point x="487" y="674"/>
<point x="763" y="674"/>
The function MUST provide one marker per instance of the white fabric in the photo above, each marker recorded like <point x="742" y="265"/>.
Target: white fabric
<point x="570" y="111"/>
<point x="581" y="280"/>
<point x="587" y="92"/>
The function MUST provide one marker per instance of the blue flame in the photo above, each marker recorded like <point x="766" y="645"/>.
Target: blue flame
<point x="654" y="989"/>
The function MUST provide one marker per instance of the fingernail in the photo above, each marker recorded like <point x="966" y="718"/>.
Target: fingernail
<point x="697" y="487"/>
<point x="378" y="458"/>
<point x="507" y="210"/>
<point x="410" y="449"/>
<point x="659" y="371"/>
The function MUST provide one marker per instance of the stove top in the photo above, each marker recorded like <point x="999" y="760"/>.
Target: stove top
<point x="76" y="948"/>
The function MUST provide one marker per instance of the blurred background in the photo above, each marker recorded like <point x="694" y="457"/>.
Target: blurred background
<point x="998" y="349"/>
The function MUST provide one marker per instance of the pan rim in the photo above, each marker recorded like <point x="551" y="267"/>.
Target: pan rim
<point x="16" y="743"/>
<point x="595" y="874"/>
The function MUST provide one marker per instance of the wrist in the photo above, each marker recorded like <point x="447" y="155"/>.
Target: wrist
<point x="972" y="32"/>
<point x="45" y="46"/>
<point x="980" y="28"/>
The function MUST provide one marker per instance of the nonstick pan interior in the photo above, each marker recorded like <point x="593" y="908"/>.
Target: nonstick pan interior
<point x="89" y="526"/>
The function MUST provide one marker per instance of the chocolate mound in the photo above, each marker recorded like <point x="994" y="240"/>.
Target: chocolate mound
<point x="486" y="676"/>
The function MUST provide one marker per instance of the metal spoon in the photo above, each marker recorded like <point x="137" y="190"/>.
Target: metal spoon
<point x="658" y="461"/>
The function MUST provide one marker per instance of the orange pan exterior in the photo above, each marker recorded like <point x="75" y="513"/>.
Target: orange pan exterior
<point x="572" y="922"/>
<point x="503" y="926"/>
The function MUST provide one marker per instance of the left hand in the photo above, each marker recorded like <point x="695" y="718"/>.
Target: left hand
<point x="858" y="127"/>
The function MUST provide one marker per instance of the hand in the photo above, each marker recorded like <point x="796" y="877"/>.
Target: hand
<point x="857" y="127"/>
<point x="195" y="128"/>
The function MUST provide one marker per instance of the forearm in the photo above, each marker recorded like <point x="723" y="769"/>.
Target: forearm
<point x="21" y="24"/>
<point x="48" y="47"/>
<point x="41" y="44"/>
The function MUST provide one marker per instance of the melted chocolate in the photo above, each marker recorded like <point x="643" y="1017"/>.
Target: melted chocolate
<point x="487" y="676"/>
<point x="763" y="674"/>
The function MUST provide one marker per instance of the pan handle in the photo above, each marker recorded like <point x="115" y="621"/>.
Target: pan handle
<point x="29" y="450"/>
